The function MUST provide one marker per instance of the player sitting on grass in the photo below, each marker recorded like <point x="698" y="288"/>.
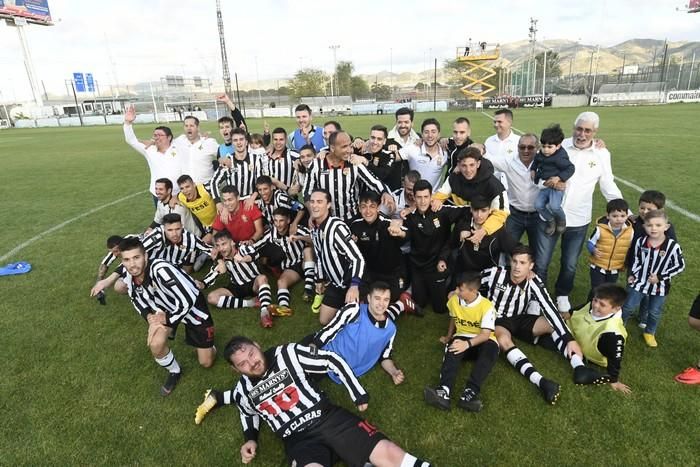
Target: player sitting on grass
<point x="692" y="375"/>
<point x="470" y="335"/>
<point x="511" y="292"/>
<point x="291" y="254"/>
<point x="598" y="329"/>
<point x="362" y="334"/>
<point x="246" y="280"/>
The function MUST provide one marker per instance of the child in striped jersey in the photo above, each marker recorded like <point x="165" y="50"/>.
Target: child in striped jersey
<point x="657" y="258"/>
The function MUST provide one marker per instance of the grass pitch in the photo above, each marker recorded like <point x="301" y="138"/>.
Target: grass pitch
<point x="78" y="385"/>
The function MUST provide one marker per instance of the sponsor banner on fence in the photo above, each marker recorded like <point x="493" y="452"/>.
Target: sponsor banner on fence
<point x="649" y="97"/>
<point x="517" y="101"/>
<point x="683" y="96"/>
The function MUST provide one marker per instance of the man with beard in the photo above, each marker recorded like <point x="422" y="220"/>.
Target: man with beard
<point x="166" y="297"/>
<point x="460" y="140"/>
<point x="428" y="159"/>
<point x="306" y="133"/>
<point x="276" y="386"/>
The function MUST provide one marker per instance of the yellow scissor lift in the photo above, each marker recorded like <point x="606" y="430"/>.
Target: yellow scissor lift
<point x="477" y="60"/>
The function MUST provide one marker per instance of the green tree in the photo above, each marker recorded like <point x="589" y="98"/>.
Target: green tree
<point x="553" y="64"/>
<point x="308" y="82"/>
<point x="381" y="92"/>
<point x="343" y="78"/>
<point x="359" y="88"/>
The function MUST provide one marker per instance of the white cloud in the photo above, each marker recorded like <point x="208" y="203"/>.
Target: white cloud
<point x="147" y="40"/>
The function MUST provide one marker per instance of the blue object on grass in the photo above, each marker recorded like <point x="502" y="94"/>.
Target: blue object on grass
<point x="14" y="269"/>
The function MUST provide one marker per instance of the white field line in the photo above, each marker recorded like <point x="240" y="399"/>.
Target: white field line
<point x="56" y="227"/>
<point x="672" y="205"/>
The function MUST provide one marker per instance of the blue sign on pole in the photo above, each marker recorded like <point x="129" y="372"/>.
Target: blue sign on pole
<point x="90" y="82"/>
<point x="79" y="82"/>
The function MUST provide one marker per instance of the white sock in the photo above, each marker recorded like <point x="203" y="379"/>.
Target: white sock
<point x="248" y="302"/>
<point x="576" y="361"/>
<point x="169" y="363"/>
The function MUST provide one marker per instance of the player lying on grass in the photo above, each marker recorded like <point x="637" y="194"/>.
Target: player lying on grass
<point x="361" y="334"/>
<point x="275" y="386"/>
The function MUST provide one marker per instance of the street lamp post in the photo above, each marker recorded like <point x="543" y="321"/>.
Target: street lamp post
<point x="334" y="48"/>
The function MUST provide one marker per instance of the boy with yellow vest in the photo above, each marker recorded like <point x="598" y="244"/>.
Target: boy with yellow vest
<point x="470" y="335"/>
<point x="609" y="244"/>
<point x="599" y="330"/>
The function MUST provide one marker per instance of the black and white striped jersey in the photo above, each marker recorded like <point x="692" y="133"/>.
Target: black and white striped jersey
<point x="293" y="250"/>
<point x="241" y="273"/>
<point x="281" y="167"/>
<point x="338" y="259"/>
<point x="665" y="261"/>
<point x="157" y="246"/>
<point x="344" y="184"/>
<point x="280" y="199"/>
<point x="109" y="257"/>
<point x="242" y="174"/>
<point x="511" y="299"/>
<point x="167" y="288"/>
<point x="284" y="397"/>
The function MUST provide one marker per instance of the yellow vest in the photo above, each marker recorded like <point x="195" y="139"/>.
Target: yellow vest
<point x="587" y="331"/>
<point x="203" y="206"/>
<point x="469" y="318"/>
<point x="614" y="249"/>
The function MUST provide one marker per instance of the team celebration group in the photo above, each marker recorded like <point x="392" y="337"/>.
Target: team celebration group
<point x="399" y="223"/>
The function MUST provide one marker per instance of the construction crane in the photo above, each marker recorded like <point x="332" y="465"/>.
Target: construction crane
<point x="222" y="44"/>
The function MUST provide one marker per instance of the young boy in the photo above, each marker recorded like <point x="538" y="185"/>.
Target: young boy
<point x="609" y="244"/>
<point x="657" y="258"/>
<point x="551" y="161"/>
<point x="599" y="330"/>
<point x="692" y="375"/>
<point x="648" y="201"/>
<point x="470" y="335"/>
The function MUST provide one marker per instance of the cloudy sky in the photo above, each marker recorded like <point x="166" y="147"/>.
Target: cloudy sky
<point x="127" y="41"/>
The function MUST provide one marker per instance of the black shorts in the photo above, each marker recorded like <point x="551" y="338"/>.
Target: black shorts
<point x="519" y="326"/>
<point x="695" y="308"/>
<point x="241" y="291"/>
<point x="334" y="296"/>
<point x="340" y="435"/>
<point x="298" y="268"/>
<point x="201" y="335"/>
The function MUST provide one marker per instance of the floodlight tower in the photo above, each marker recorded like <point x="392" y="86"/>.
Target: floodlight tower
<point x="222" y="44"/>
<point x="533" y="41"/>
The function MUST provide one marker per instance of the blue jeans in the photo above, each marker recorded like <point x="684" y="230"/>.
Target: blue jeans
<point x="519" y="222"/>
<point x="572" y="241"/>
<point x="654" y="310"/>
<point x="548" y="204"/>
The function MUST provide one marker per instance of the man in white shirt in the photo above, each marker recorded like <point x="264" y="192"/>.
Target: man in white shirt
<point x="162" y="158"/>
<point x="522" y="192"/>
<point x="197" y="152"/>
<point x="402" y="134"/>
<point x="428" y="159"/>
<point x="504" y="143"/>
<point x="593" y="168"/>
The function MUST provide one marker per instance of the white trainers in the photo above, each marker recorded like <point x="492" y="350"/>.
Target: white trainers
<point x="563" y="304"/>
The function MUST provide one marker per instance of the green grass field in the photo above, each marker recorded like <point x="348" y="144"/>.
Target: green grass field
<point x="78" y="384"/>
